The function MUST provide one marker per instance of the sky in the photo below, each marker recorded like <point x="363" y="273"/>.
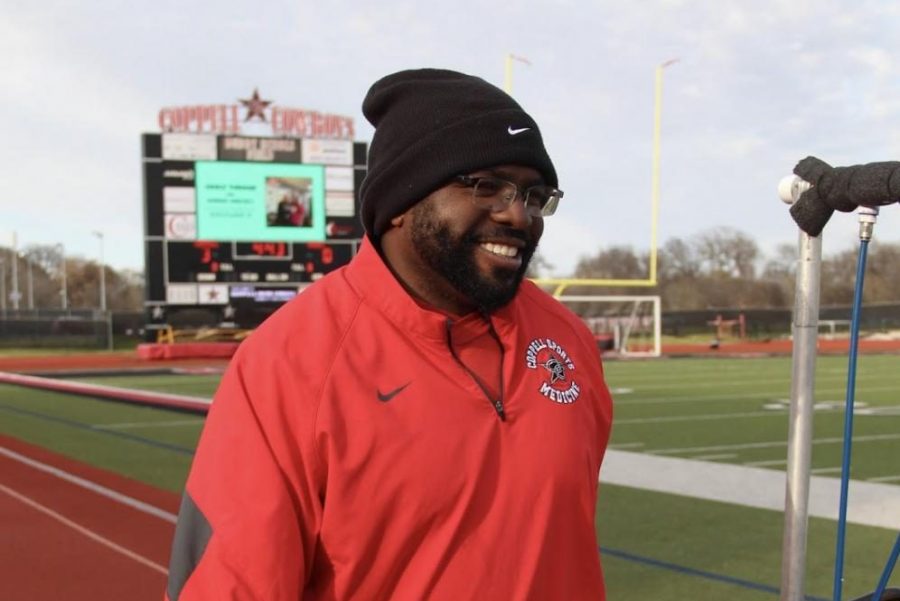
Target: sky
<point x="757" y="86"/>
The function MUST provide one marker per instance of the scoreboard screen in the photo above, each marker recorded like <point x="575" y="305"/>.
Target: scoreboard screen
<point x="234" y="226"/>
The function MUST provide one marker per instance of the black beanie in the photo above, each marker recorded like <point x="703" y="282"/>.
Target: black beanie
<point x="433" y="124"/>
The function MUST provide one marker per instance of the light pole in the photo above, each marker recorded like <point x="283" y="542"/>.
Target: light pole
<point x="654" y="193"/>
<point x="64" y="291"/>
<point x="30" y="281"/>
<point x="102" y="273"/>
<point x="3" y="286"/>
<point x="16" y="295"/>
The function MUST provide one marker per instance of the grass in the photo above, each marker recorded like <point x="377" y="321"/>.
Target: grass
<point x="659" y="546"/>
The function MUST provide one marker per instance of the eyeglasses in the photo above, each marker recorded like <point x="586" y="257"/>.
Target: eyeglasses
<point x="494" y="194"/>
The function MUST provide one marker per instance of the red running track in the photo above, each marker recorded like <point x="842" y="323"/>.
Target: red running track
<point x="63" y="540"/>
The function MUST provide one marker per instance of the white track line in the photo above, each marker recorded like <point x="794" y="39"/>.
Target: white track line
<point x="885" y="479"/>
<point x="85" y="531"/>
<point x="91" y="486"/>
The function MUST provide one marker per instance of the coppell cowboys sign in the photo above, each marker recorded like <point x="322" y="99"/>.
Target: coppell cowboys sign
<point x="228" y="119"/>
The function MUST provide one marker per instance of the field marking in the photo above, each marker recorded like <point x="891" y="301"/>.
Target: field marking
<point x="872" y="503"/>
<point x="747" y="396"/>
<point x="692" y="384"/>
<point x="699" y="418"/>
<point x="85" y="531"/>
<point x="126" y="425"/>
<point x="885" y="479"/>
<point x="826" y="470"/>
<point x="91" y="486"/>
<point x="627" y="445"/>
<point x="115" y="433"/>
<point x="714" y="457"/>
<point x="768" y="445"/>
<point x="765" y="463"/>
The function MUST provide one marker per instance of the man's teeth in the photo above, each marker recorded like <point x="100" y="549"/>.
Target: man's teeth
<point x="500" y="249"/>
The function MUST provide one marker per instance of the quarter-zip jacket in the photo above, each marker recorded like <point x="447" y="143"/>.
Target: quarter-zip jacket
<point x="351" y="452"/>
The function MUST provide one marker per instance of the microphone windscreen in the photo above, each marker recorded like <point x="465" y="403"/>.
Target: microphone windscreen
<point x="810" y="213"/>
<point x="874" y="184"/>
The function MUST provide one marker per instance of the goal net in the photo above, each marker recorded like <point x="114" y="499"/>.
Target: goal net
<point x="629" y="326"/>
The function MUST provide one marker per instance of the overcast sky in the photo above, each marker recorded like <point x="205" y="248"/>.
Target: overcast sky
<point x="758" y="85"/>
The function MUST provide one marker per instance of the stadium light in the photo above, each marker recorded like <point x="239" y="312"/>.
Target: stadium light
<point x="64" y="291"/>
<point x="102" y="272"/>
<point x="3" y="286"/>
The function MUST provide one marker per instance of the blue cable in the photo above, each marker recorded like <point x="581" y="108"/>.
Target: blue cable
<point x="848" y="418"/>
<point x="892" y="560"/>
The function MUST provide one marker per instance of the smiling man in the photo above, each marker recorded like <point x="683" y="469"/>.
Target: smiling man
<point x="420" y="424"/>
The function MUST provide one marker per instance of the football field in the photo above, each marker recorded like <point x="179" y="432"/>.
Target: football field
<point x="711" y="412"/>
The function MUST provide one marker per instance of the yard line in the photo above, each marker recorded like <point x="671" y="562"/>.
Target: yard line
<point x="825" y="470"/>
<point x="874" y="504"/>
<point x="627" y="445"/>
<point x="746" y="396"/>
<point x="766" y="463"/>
<point x="769" y="445"/>
<point x="91" y="486"/>
<point x="149" y="424"/>
<point x="85" y="531"/>
<point x="690" y="418"/>
<point x="885" y="479"/>
<point x="714" y="457"/>
<point x="707" y="382"/>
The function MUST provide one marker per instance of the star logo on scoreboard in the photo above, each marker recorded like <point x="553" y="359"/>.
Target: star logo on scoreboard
<point x="256" y="106"/>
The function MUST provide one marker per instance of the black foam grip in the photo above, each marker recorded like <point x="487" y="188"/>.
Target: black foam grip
<point x="842" y="189"/>
<point x="810" y="213"/>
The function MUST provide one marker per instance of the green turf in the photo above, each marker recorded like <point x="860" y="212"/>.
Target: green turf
<point x="202" y="385"/>
<point x="718" y="538"/>
<point x="148" y="444"/>
<point x="716" y="408"/>
<point x="726" y="410"/>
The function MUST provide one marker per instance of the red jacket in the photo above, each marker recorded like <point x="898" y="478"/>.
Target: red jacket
<point x="352" y="452"/>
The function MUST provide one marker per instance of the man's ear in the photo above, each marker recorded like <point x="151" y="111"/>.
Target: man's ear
<point x="398" y="220"/>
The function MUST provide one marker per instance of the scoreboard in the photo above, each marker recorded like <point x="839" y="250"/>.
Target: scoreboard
<point x="234" y="226"/>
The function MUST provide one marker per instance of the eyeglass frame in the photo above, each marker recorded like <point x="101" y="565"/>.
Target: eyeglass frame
<point x="472" y="181"/>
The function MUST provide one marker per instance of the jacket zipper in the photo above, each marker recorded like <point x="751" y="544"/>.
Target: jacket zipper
<point x="496" y="403"/>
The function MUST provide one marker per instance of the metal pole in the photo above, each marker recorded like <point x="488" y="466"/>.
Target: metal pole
<point x="805" y="331"/>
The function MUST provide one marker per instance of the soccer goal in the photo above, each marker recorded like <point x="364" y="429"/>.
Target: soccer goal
<point x="630" y="326"/>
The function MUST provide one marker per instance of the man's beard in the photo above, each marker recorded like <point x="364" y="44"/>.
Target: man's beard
<point x="454" y="258"/>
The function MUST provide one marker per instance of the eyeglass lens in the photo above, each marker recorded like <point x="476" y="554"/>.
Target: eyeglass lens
<point x="497" y="194"/>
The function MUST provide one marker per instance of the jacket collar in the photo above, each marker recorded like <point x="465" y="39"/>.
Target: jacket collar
<point x="372" y="280"/>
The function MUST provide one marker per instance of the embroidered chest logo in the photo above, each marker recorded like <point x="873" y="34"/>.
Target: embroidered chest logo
<point x="556" y="370"/>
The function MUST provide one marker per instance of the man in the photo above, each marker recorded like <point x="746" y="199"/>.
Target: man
<point x="420" y="424"/>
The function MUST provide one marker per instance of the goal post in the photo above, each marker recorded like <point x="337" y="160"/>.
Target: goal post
<point x="632" y="323"/>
